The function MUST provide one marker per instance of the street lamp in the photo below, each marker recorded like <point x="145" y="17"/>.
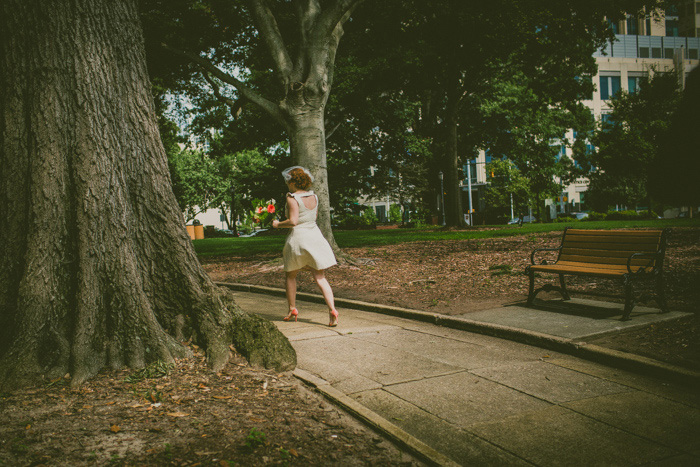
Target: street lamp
<point x="442" y="197"/>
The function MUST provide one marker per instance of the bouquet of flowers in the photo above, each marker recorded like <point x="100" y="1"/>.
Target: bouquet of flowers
<point x="264" y="211"/>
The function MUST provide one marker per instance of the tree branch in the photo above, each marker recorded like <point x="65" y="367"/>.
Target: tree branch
<point x="330" y="133"/>
<point x="267" y="26"/>
<point x="335" y="15"/>
<point x="268" y="106"/>
<point x="234" y="106"/>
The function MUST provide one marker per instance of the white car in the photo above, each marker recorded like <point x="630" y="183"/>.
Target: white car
<point x="526" y="220"/>
<point x="254" y="233"/>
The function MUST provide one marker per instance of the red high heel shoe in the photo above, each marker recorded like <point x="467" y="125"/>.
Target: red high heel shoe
<point x="292" y="314"/>
<point x="334" y="314"/>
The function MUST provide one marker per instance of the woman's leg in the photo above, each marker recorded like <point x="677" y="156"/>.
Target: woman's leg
<point x="322" y="282"/>
<point x="291" y="288"/>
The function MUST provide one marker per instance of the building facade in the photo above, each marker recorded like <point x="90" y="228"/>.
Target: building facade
<point x="664" y="42"/>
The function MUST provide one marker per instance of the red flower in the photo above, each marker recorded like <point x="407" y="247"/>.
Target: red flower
<point x="271" y="208"/>
<point x="259" y="210"/>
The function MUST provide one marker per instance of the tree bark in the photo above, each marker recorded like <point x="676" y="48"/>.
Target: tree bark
<point x="306" y="80"/>
<point x="453" y="199"/>
<point x="308" y="147"/>
<point x="97" y="268"/>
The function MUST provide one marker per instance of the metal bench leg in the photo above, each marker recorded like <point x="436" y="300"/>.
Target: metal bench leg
<point x="531" y="290"/>
<point x="564" y="292"/>
<point x="629" y="299"/>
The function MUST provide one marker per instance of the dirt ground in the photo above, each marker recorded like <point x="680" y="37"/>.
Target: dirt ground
<point x="190" y="417"/>
<point x="458" y="277"/>
<point x="186" y="415"/>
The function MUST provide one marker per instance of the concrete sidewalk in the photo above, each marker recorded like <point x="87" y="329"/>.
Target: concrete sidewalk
<point x="455" y="396"/>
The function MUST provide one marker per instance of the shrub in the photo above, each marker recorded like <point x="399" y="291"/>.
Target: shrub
<point x="395" y="215"/>
<point x="367" y="220"/>
<point x="595" y="216"/>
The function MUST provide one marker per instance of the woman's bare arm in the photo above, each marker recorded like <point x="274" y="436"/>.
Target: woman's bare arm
<point x="293" y="215"/>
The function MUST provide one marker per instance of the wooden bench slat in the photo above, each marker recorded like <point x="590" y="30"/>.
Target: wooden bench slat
<point x="605" y="254"/>
<point x="587" y="259"/>
<point x="598" y="252"/>
<point x="579" y="271"/>
<point x="611" y="239"/>
<point x="627" y="247"/>
<point x="582" y="270"/>
<point x="622" y="267"/>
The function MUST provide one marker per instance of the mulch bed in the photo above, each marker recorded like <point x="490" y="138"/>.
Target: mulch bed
<point x="185" y="415"/>
<point x="463" y="276"/>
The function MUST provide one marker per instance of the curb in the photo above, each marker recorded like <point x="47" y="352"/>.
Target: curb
<point x="378" y="423"/>
<point x="613" y="358"/>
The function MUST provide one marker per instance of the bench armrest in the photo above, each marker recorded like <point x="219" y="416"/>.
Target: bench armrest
<point x="641" y="255"/>
<point x="532" y="256"/>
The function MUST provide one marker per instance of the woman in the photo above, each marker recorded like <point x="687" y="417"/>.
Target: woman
<point x="306" y="246"/>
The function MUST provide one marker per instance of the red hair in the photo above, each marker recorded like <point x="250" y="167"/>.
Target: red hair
<point x="300" y="179"/>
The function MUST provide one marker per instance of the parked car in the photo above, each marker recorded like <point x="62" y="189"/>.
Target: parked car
<point x="526" y="220"/>
<point x="254" y="233"/>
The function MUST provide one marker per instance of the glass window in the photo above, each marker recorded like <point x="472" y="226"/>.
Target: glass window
<point x="633" y="84"/>
<point x="693" y="54"/>
<point x="644" y="52"/>
<point x="604" y="90"/>
<point x="656" y="52"/>
<point x="671" y="27"/>
<point x="381" y="213"/>
<point x="648" y="26"/>
<point x="615" y="84"/>
<point x="632" y="27"/>
<point x="609" y="86"/>
<point x="668" y="53"/>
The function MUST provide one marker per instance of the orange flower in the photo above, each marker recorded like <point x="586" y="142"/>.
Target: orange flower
<point x="271" y="208"/>
<point x="259" y="210"/>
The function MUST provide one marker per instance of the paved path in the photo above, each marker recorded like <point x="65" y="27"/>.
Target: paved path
<point x="480" y="400"/>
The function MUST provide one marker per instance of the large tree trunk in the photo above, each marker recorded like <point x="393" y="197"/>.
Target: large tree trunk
<point x="308" y="148"/>
<point x="97" y="268"/>
<point x="454" y="216"/>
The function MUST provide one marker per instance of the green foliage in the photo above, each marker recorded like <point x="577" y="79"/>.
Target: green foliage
<point x="501" y="270"/>
<point x="507" y="183"/>
<point x="629" y="215"/>
<point x="262" y="214"/>
<point x="255" y="439"/>
<point x="595" y="216"/>
<point x="367" y="219"/>
<point x="629" y="141"/>
<point x="395" y="213"/>
<point x="196" y="181"/>
<point x="527" y="129"/>
<point x="677" y="163"/>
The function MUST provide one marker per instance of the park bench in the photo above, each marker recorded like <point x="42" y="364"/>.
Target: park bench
<point x="629" y="256"/>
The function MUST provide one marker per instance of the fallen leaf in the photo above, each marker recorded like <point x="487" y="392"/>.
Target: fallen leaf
<point x="114" y="429"/>
<point x="222" y="397"/>
<point x="178" y="414"/>
<point x="27" y="427"/>
<point x="294" y="452"/>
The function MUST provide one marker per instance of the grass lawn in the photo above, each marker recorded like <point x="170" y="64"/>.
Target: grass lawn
<point x="359" y="238"/>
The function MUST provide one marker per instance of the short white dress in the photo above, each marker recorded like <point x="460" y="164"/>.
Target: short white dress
<point x="306" y="245"/>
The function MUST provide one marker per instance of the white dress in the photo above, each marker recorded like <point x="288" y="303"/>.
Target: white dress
<point x="306" y="245"/>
